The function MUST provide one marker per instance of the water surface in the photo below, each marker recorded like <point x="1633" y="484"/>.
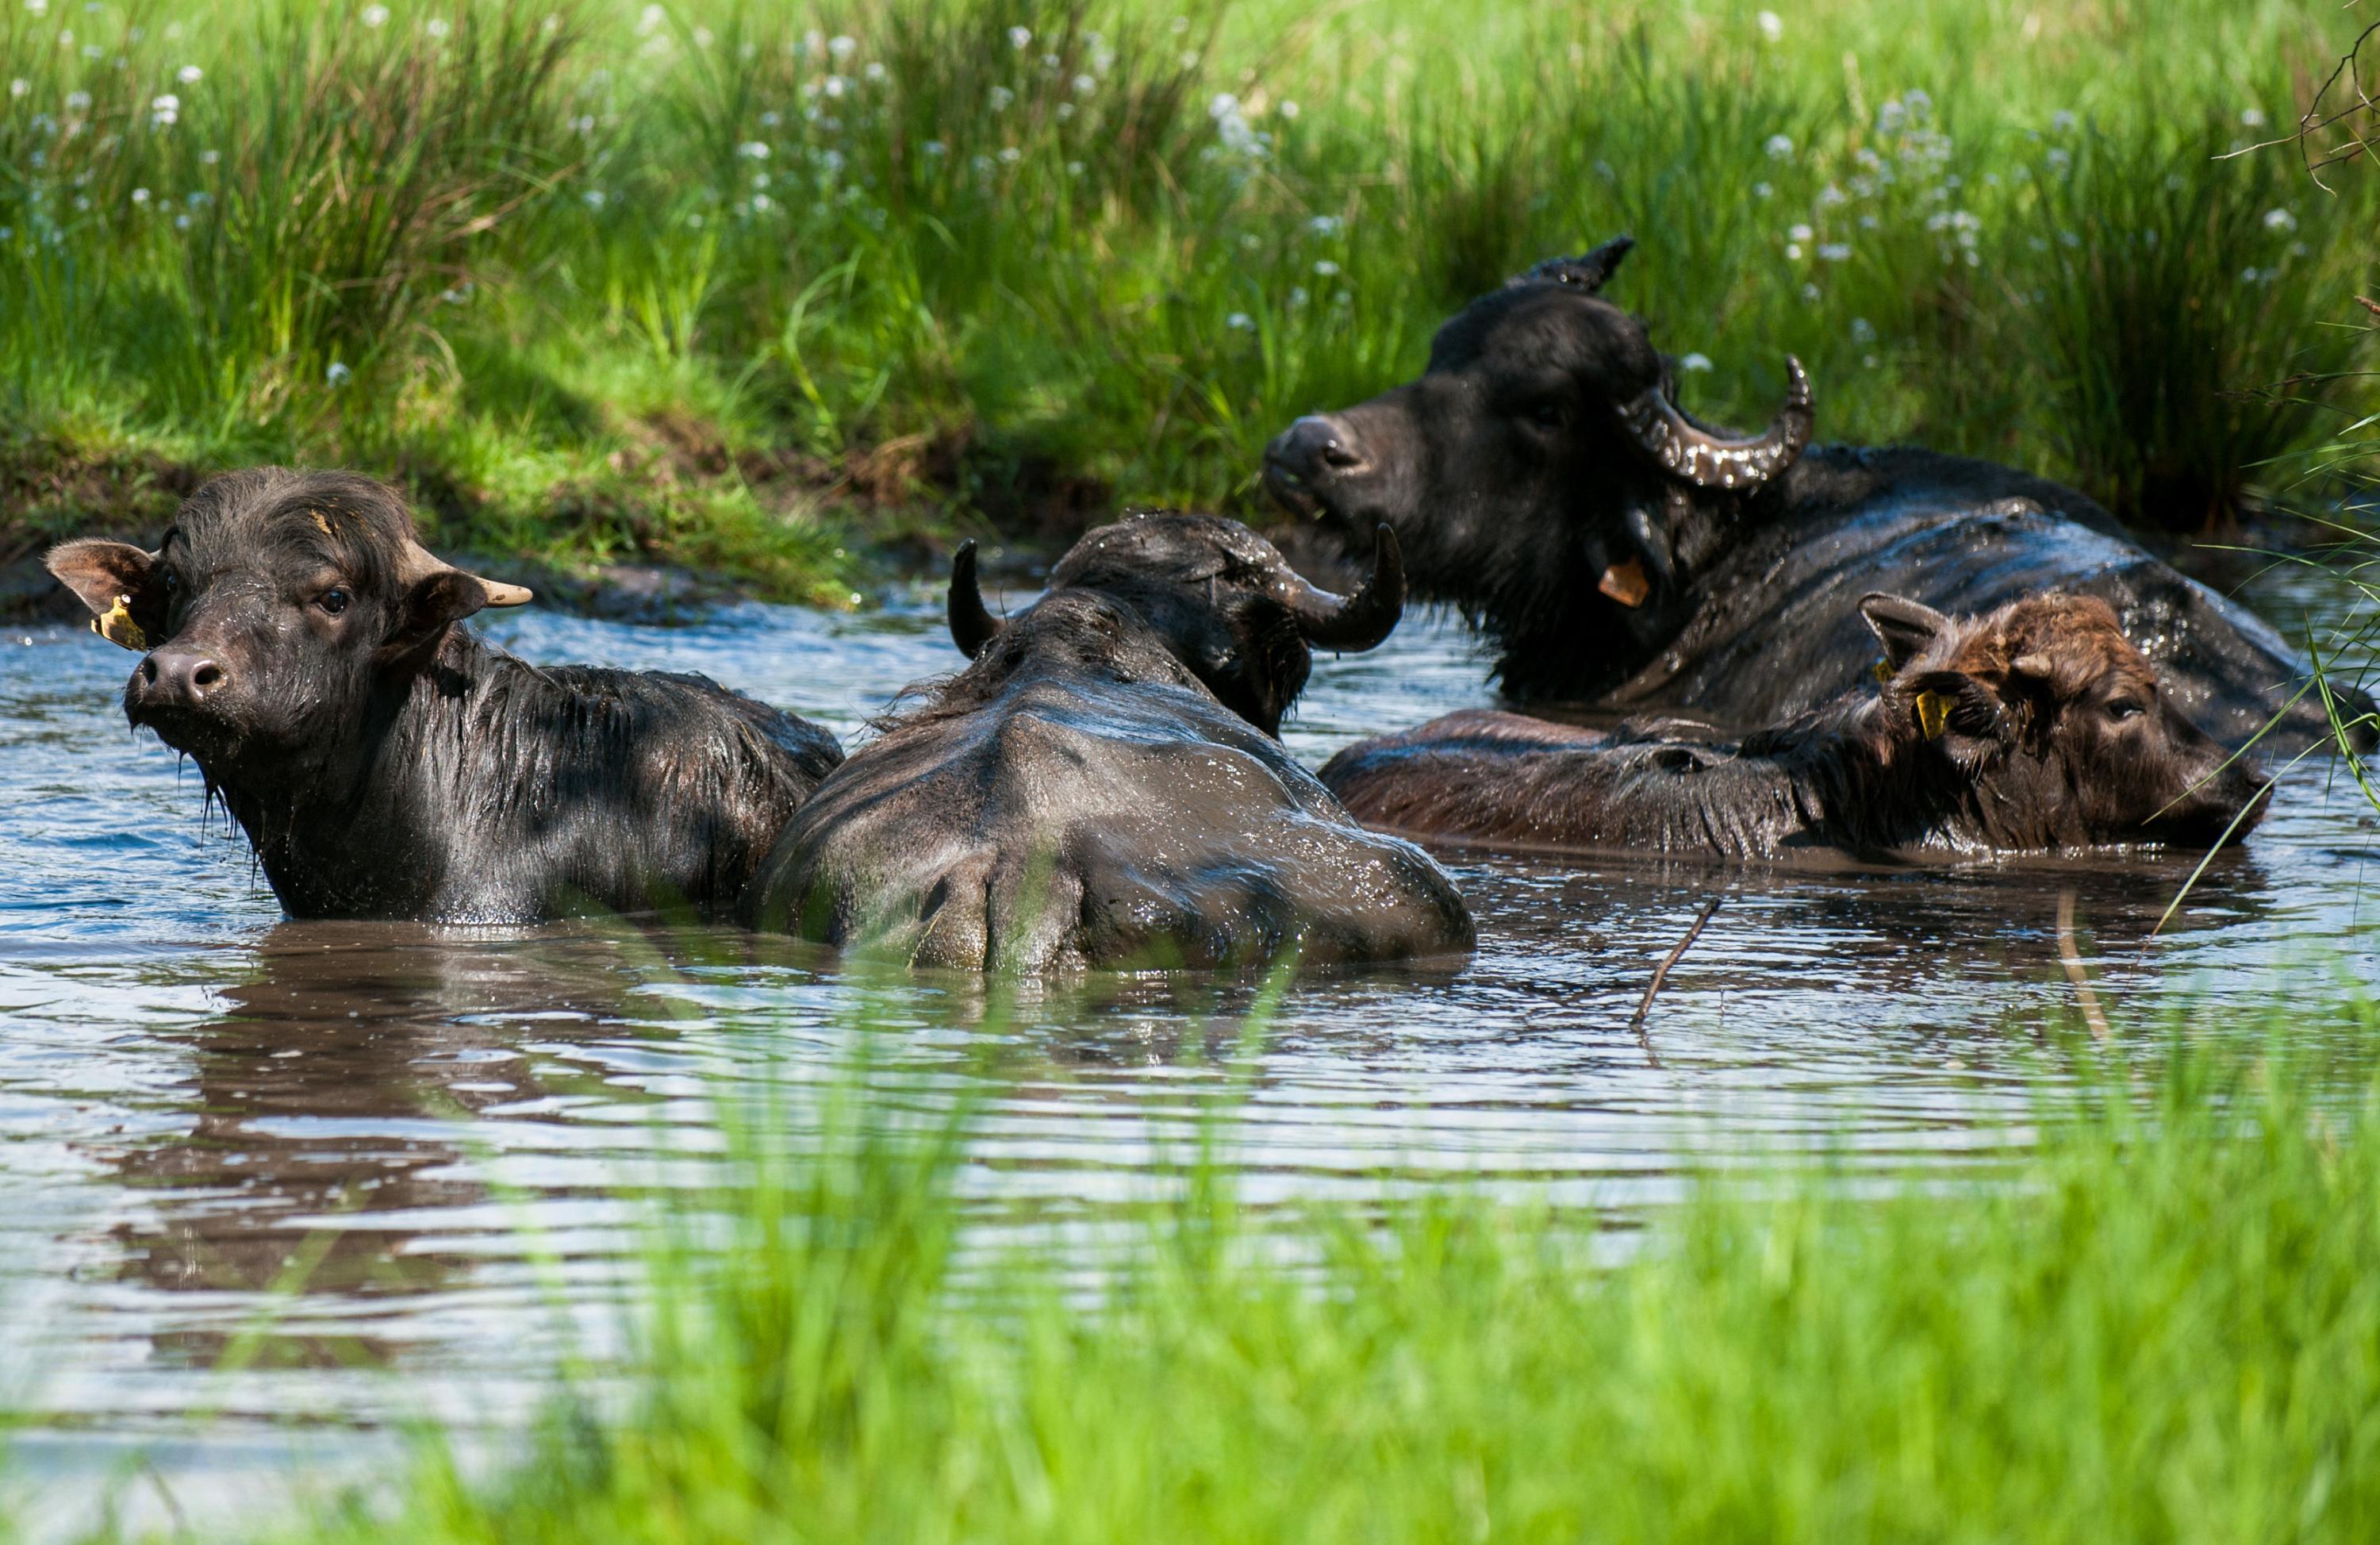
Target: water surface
<point x="198" y="1099"/>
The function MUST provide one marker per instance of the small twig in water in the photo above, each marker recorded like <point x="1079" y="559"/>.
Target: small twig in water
<point x="1661" y="972"/>
<point x="2072" y="960"/>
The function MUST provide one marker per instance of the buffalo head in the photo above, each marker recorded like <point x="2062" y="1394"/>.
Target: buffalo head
<point x="1217" y="596"/>
<point x="275" y="606"/>
<point x="1541" y="451"/>
<point x="2054" y="723"/>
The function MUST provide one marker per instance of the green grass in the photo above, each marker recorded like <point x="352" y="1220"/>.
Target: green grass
<point x="745" y="287"/>
<point x="2158" y="1316"/>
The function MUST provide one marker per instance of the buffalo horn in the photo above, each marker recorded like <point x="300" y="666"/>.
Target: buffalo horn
<point x="1357" y="622"/>
<point x="2036" y="665"/>
<point x="972" y="623"/>
<point x="1708" y="460"/>
<point x="419" y="564"/>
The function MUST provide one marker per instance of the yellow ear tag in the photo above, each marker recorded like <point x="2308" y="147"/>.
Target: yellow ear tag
<point x="117" y="627"/>
<point x="1933" y="714"/>
<point x="1625" y="583"/>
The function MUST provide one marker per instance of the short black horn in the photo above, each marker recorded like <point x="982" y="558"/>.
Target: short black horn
<point x="972" y="623"/>
<point x="1358" y="621"/>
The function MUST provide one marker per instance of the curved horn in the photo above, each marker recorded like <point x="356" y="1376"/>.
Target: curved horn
<point x="1707" y="460"/>
<point x="972" y="623"/>
<point x="1358" y="621"/>
<point x="419" y="563"/>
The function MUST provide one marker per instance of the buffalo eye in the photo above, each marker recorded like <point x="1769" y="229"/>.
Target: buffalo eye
<point x="333" y="600"/>
<point x="2123" y="709"/>
<point x="1546" y="413"/>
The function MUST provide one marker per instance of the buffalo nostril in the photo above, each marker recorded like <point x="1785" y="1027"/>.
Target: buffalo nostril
<point x="1335" y="454"/>
<point x="149" y="671"/>
<point x="205" y="673"/>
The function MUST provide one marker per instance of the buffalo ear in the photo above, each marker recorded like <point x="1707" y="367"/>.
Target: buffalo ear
<point x="431" y="603"/>
<point x="1903" y="625"/>
<point x="98" y="572"/>
<point x="1588" y="271"/>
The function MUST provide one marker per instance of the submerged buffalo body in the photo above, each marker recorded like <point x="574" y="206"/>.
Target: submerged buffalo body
<point x="1101" y="786"/>
<point x="2035" y="727"/>
<point x="302" y="648"/>
<point x="1542" y="478"/>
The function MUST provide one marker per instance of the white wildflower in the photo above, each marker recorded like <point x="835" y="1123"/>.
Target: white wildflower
<point x="375" y="16"/>
<point x="1694" y="364"/>
<point x="139" y="195"/>
<point x="1010" y="156"/>
<point x="1288" y="110"/>
<point x="874" y="70"/>
<point x="1835" y="252"/>
<point x="650" y="21"/>
<point x="437" y="26"/>
<point x="1019" y="38"/>
<point x="1086" y="84"/>
<point x="1325" y="267"/>
<point x="2252" y="117"/>
<point x="188" y="75"/>
<point x="338" y="375"/>
<point x="936" y="148"/>
<point x="1762" y="190"/>
<point x="164" y="111"/>
<point x="841" y="46"/>
<point x="1809" y="292"/>
<point x="834" y="85"/>
<point x="1779" y="146"/>
<point x="1793" y="251"/>
<point x="1240" y="321"/>
<point x="2061" y="121"/>
<point x="1772" y="26"/>
<point x="1325" y="225"/>
<point x="38" y="7"/>
<point x="1863" y="331"/>
<point x="753" y="150"/>
<point x="2280" y="221"/>
<point x="210" y="157"/>
<point x="1800" y="233"/>
<point x="19" y="87"/>
<point x="1000" y="97"/>
<point x="703" y="37"/>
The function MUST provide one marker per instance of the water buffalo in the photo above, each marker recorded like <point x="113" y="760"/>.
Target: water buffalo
<point x="2037" y="727"/>
<point x="302" y="648"/>
<point x="1542" y="478"/>
<point x="1101" y="786"/>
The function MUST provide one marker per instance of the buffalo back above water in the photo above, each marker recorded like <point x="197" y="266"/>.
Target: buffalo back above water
<point x="1081" y="795"/>
<point x="2036" y="727"/>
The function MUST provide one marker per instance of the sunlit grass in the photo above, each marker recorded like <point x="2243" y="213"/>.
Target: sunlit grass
<point x="2156" y="1317"/>
<point x="977" y="255"/>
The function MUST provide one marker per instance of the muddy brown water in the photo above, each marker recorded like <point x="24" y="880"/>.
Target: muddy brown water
<point x="196" y="1094"/>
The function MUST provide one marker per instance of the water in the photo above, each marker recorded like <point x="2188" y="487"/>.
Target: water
<point x="200" y="1100"/>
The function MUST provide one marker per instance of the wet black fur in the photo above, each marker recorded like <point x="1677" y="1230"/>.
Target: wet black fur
<point x="1513" y="489"/>
<point x="1100" y="787"/>
<point x="2018" y="765"/>
<point x="387" y="763"/>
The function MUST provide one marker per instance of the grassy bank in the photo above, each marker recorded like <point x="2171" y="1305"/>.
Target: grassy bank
<point x="747" y="288"/>
<point x="2161" y="1321"/>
